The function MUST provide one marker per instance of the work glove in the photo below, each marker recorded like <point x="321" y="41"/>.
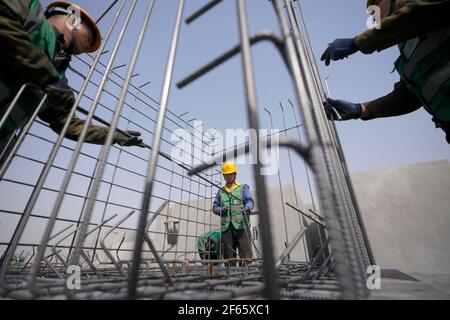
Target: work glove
<point x="339" y="49"/>
<point x="445" y="126"/>
<point x="247" y="210"/>
<point x="342" y="110"/>
<point x="131" y="139"/>
<point x="60" y="94"/>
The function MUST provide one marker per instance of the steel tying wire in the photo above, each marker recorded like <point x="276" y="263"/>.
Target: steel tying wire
<point x="302" y="221"/>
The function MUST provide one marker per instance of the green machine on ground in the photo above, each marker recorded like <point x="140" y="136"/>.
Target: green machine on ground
<point x="208" y="245"/>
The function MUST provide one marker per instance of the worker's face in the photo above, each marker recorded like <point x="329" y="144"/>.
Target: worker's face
<point x="229" y="178"/>
<point x="83" y="40"/>
<point x="385" y="7"/>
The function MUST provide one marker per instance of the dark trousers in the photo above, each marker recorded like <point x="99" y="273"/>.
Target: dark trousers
<point x="234" y="240"/>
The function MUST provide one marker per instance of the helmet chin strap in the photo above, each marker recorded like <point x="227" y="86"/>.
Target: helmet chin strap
<point x="71" y="48"/>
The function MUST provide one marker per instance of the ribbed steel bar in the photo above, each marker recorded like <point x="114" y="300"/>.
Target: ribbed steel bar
<point x="271" y="286"/>
<point x="51" y="159"/>
<point x="154" y="155"/>
<point x="351" y="288"/>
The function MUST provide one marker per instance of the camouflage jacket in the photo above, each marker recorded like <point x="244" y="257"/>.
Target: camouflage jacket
<point x="29" y="54"/>
<point x="417" y="17"/>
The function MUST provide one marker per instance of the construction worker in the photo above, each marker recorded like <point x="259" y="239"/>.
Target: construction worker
<point x="36" y="46"/>
<point x="421" y="29"/>
<point x="234" y="204"/>
<point x="209" y="245"/>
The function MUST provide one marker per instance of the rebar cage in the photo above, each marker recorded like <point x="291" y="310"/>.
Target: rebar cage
<point x="126" y="220"/>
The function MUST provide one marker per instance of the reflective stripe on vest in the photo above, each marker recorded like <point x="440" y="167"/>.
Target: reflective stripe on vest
<point x="425" y="68"/>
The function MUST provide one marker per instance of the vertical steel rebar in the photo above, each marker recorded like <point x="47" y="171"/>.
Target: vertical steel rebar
<point x="132" y="286"/>
<point x="349" y="227"/>
<point x="109" y="140"/>
<point x="280" y="186"/>
<point x="40" y="183"/>
<point x="271" y="286"/>
<point x="301" y="220"/>
<point x="326" y="198"/>
<point x="73" y="161"/>
<point x="346" y="183"/>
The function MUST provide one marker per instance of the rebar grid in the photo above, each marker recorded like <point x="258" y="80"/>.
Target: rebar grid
<point x="124" y="259"/>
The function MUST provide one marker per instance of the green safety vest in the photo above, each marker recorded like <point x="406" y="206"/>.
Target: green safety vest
<point x="208" y="244"/>
<point x="235" y="206"/>
<point x="424" y="66"/>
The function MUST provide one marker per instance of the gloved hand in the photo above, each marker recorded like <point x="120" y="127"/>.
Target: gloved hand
<point x="339" y="49"/>
<point x="130" y="140"/>
<point x="247" y="210"/>
<point x="342" y="110"/>
<point x="60" y="94"/>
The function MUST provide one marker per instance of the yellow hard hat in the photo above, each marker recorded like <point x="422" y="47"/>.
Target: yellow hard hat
<point x="228" y="168"/>
<point x="85" y="18"/>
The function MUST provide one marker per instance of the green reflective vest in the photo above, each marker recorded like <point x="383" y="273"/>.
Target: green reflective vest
<point x="424" y="65"/>
<point x="235" y="206"/>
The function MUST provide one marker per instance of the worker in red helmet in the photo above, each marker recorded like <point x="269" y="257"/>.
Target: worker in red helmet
<point x="36" y="46"/>
<point x="421" y="29"/>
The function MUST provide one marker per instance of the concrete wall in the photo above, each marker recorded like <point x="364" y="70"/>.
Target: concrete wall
<point x="406" y="211"/>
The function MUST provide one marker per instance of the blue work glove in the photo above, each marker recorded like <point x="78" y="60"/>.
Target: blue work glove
<point x="247" y="210"/>
<point x="339" y="49"/>
<point x="131" y="139"/>
<point x="60" y="94"/>
<point x="342" y="110"/>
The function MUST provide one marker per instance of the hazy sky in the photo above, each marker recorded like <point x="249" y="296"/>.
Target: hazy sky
<point x="218" y="97"/>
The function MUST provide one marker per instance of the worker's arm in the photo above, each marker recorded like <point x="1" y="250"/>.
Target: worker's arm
<point x="19" y="57"/>
<point x="247" y="198"/>
<point x="415" y="18"/>
<point x="217" y="207"/>
<point x="400" y="101"/>
<point x="95" y="134"/>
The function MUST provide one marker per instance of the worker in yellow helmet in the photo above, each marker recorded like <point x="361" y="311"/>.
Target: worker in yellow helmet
<point x="234" y="204"/>
<point x="421" y="29"/>
<point x="36" y="46"/>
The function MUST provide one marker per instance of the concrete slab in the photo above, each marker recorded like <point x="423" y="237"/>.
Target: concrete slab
<point x="396" y="285"/>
